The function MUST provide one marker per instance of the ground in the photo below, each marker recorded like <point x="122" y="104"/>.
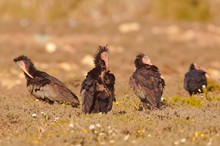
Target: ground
<point x="66" y="52"/>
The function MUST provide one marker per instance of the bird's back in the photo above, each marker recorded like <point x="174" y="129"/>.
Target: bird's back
<point x="148" y="84"/>
<point x="194" y="80"/>
<point x="47" y="87"/>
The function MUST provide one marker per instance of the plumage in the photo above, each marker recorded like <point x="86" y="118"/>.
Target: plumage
<point x="43" y="86"/>
<point x="97" y="90"/>
<point x="195" y="80"/>
<point x="146" y="82"/>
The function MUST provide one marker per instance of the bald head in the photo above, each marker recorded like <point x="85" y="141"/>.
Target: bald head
<point x="142" y="59"/>
<point x="146" y="60"/>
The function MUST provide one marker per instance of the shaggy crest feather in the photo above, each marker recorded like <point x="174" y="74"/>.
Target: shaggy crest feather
<point x="97" y="56"/>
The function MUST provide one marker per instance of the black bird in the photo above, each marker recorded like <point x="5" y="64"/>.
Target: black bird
<point x="43" y="86"/>
<point x="146" y="82"/>
<point x="97" y="90"/>
<point x="195" y="79"/>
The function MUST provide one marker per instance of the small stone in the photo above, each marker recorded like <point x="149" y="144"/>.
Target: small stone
<point x="98" y="125"/>
<point x="111" y="141"/>
<point x="71" y="125"/>
<point x="176" y="143"/>
<point x="50" y="47"/>
<point x="91" y="127"/>
<point x="34" y="115"/>
<point x="88" y="60"/>
<point x="66" y="66"/>
<point x="126" y="137"/>
<point x="56" y="119"/>
<point x="129" y="27"/>
<point x="183" y="140"/>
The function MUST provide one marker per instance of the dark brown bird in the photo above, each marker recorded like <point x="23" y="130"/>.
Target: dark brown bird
<point x="43" y="86"/>
<point x="97" y="90"/>
<point x="146" y="82"/>
<point x="195" y="79"/>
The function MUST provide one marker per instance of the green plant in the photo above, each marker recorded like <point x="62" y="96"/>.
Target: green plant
<point x="190" y="101"/>
<point x="212" y="85"/>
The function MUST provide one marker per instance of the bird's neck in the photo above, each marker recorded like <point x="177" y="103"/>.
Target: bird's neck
<point x="143" y="65"/>
<point x="32" y="71"/>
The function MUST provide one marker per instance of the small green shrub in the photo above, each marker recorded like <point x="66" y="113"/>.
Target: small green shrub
<point x="190" y="101"/>
<point x="213" y="98"/>
<point x="212" y="86"/>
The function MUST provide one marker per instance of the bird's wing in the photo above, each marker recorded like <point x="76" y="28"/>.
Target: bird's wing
<point x="147" y="85"/>
<point x="88" y="89"/>
<point x="106" y="93"/>
<point x="48" y="87"/>
<point x="186" y="82"/>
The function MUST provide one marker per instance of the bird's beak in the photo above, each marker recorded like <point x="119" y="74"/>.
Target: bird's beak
<point x="22" y="65"/>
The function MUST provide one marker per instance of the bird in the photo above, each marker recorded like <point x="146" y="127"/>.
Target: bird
<point x="44" y="86"/>
<point x="146" y="82"/>
<point x="195" y="79"/>
<point x="97" y="89"/>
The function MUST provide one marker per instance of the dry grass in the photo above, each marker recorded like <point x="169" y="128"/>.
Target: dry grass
<point x="184" y="121"/>
<point x="172" y="46"/>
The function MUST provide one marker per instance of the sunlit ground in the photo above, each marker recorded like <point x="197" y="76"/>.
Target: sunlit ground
<point x="65" y="50"/>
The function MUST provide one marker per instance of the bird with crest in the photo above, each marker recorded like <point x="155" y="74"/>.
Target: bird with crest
<point x="97" y="90"/>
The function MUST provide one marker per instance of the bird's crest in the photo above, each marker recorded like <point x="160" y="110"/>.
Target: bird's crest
<point x="26" y="59"/>
<point x="22" y="57"/>
<point x="97" y="56"/>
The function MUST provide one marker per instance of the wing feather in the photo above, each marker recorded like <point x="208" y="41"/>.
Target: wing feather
<point x="147" y="85"/>
<point x="88" y="88"/>
<point x="47" y="87"/>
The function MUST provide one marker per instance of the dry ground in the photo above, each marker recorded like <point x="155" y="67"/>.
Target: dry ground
<point x="171" y="46"/>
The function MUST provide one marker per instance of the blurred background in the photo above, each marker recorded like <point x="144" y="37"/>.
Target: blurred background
<point x="61" y="38"/>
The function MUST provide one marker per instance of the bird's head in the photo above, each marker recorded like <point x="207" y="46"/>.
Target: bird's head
<point x="25" y="64"/>
<point x="101" y="58"/>
<point x="193" y="66"/>
<point x="141" y="59"/>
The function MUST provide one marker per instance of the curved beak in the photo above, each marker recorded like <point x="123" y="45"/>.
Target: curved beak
<point x="22" y="65"/>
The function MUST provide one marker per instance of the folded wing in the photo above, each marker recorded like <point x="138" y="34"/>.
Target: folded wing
<point x="194" y="80"/>
<point x="87" y="92"/>
<point x="147" y="85"/>
<point x="46" y="87"/>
